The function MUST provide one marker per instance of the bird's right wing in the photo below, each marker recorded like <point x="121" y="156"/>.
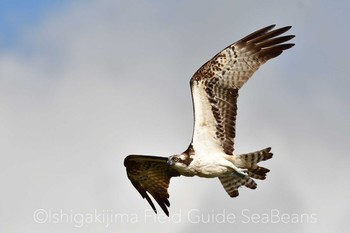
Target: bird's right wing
<point x="215" y="86"/>
<point x="150" y="174"/>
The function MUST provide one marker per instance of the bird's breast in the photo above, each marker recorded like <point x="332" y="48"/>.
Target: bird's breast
<point x="208" y="166"/>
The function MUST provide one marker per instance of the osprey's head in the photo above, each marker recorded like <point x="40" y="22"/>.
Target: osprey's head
<point x="179" y="161"/>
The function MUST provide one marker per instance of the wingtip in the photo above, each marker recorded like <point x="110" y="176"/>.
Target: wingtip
<point x="265" y="33"/>
<point x="284" y="29"/>
<point x="290" y="37"/>
<point x="271" y="26"/>
<point x="286" y="46"/>
<point x="150" y="202"/>
<point x="166" y="212"/>
<point x="164" y="204"/>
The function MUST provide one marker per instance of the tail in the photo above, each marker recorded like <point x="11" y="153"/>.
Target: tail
<point x="250" y="162"/>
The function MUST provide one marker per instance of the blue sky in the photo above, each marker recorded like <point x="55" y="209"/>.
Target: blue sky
<point x="16" y="16"/>
<point x="84" y="84"/>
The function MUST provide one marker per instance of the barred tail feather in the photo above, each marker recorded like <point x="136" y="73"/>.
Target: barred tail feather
<point x="258" y="173"/>
<point x="232" y="182"/>
<point x="251" y="160"/>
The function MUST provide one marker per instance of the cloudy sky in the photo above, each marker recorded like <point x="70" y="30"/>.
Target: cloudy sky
<point x="85" y="83"/>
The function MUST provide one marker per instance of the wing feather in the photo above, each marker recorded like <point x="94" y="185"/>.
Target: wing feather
<point x="150" y="174"/>
<point x="215" y="85"/>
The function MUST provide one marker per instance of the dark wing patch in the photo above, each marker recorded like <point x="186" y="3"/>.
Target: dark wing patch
<point x="229" y="70"/>
<point x="150" y="174"/>
<point x="223" y="100"/>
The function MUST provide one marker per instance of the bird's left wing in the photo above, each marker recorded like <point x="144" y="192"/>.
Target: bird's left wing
<point x="150" y="174"/>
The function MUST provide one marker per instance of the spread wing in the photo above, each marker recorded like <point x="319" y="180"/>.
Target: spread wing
<point x="150" y="174"/>
<point x="215" y="86"/>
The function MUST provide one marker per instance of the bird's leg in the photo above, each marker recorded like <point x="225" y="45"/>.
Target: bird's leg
<point x="241" y="172"/>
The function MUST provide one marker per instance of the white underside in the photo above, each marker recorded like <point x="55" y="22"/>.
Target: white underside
<point x="209" y="159"/>
<point x="210" y="166"/>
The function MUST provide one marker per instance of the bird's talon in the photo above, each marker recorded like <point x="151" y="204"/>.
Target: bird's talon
<point x="243" y="171"/>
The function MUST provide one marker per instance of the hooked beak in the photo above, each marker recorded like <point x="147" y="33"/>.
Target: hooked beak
<point x="170" y="162"/>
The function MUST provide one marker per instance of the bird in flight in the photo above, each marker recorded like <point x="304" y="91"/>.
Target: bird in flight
<point x="210" y="154"/>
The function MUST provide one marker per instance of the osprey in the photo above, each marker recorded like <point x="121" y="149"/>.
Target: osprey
<point x="214" y="94"/>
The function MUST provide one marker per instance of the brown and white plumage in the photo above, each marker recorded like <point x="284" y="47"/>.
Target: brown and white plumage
<point x="150" y="174"/>
<point x="217" y="82"/>
<point x="214" y="89"/>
